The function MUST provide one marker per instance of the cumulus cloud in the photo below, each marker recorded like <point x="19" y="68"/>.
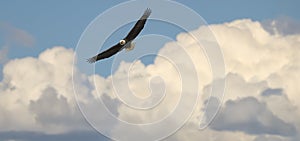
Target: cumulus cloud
<point x="51" y="109"/>
<point x="251" y="116"/>
<point x="270" y="91"/>
<point x="282" y="26"/>
<point x="261" y="99"/>
<point x="260" y="66"/>
<point x="24" y="81"/>
<point x="38" y="136"/>
<point x="269" y="138"/>
<point x="40" y="89"/>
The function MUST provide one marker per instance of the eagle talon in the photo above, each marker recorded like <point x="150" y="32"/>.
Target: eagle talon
<point x="131" y="47"/>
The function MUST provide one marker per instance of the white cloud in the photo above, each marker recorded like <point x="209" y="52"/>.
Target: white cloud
<point x="25" y="85"/>
<point x="270" y="138"/>
<point x="282" y="25"/>
<point x="53" y="110"/>
<point x="251" y="116"/>
<point x="256" y="61"/>
<point x="258" y="64"/>
<point x="41" y="90"/>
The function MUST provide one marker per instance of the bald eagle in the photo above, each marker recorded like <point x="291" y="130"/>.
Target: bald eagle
<point x="126" y="42"/>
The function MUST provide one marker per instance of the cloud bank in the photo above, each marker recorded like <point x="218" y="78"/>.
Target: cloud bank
<point x="261" y="100"/>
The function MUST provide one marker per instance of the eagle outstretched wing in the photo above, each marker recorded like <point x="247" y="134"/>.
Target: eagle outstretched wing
<point x="134" y="32"/>
<point x="139" y="25"/>
<point x="107" y="53"/>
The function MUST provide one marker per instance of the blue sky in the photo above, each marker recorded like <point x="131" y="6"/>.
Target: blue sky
<point x="60" y="23"/>
<point x="28" y="28"/>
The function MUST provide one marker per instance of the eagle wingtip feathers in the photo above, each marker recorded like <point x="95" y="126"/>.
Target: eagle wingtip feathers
<point x="91" y="60"/>
<point x="147" y="13"/>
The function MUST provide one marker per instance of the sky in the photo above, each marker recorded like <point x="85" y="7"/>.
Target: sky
<point x="55" y="23"/>
<point x="59" y="100"/>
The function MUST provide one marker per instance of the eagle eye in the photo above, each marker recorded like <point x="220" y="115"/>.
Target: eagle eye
<point x="122" y="42"/>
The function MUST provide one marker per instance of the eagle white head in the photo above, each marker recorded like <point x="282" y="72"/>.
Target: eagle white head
<point x="122" y="42"/>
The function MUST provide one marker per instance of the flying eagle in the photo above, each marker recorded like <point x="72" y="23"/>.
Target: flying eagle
<point x="126" y="42"/>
